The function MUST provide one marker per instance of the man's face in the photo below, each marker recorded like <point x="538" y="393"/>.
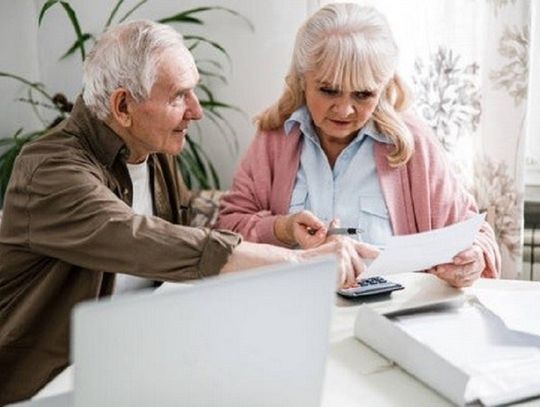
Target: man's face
<point x="159" y="124"/>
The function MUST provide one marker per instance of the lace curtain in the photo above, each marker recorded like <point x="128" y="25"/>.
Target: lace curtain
<point x="467" y="64"/>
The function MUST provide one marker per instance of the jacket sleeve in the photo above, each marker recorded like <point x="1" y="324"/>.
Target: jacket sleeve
<point x="448" y="201"/>
<point x="245" y="209"/>
<point x="68" y="212"/>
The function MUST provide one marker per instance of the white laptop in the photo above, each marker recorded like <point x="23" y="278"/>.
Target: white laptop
<point x="256" y="338"/>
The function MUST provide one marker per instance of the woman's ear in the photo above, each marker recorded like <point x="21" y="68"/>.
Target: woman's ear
<point x="118" y="102"/>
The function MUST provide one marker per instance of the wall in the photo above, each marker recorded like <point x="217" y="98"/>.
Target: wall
<point x="18" y="55"/>
<point x="259" y="59"/>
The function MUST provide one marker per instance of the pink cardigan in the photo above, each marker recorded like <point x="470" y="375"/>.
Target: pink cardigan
<point x="420" y="196"/>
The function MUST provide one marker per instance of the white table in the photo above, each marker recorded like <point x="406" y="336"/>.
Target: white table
<point x="357" y="375"/>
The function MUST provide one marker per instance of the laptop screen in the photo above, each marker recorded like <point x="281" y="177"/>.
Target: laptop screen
<point x="248" y="338"/>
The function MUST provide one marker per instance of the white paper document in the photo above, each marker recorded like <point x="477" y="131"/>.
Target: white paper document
<point x="503" y="365"/>
<point x="519" y="310"/>
<point x="467" y="353"/>
<point x="421" y="251"/>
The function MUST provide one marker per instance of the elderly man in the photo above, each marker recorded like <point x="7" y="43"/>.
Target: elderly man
<point x="97" y="205"/>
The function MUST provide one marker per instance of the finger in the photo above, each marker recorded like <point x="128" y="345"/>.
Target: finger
<point x="308" y="237"/>
<point x="358" y="265"/>
<point x="309" y="220"/>
<point x="466" y="256"/>
<point x="334" y="223"/>
<point x="344" y="272"/>
<point x="366" y="251"/>
<point x="350" y="278"/>
<point x="308" y="241"/>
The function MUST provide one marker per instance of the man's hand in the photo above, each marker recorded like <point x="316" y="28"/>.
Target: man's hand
<point x="350" y="256"/>
<point x="301" y="228"/>
<point x="466" y="268"/>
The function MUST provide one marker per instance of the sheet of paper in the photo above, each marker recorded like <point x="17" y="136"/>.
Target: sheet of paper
<point x="509" y="305"/>
<point x="422" y="251"/>
<point x="504" y="365"/>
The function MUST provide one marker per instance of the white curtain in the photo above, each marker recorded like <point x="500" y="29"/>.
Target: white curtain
<point x="467" y="64"/>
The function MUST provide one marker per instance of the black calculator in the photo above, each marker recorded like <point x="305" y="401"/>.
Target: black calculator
<point x="370" y="286"/>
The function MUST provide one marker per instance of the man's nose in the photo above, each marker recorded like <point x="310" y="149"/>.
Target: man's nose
<point x="194" y="110"/>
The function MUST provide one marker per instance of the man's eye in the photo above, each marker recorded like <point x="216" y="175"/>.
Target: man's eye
<point x="329" y="91"/>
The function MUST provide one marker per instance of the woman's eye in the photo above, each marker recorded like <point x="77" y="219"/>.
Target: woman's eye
<point x="362" y="95"/>
<point x="329" y="91"/>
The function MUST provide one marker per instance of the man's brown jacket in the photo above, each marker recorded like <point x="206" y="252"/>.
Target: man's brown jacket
<point x="68" y="228"/>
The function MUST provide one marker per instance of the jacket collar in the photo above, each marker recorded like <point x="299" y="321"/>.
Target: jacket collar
<point x="103" y="141"/>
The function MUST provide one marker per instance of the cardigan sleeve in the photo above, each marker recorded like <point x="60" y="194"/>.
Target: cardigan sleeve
<point x="441" y="199"/>
<point x="245" y="209"/>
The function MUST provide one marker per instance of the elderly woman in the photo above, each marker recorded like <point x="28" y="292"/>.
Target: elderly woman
<point x="339" y="144"/>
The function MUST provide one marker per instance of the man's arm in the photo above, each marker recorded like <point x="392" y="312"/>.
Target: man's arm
<point x="62" y="209"/>
<point x="349" y="253"/>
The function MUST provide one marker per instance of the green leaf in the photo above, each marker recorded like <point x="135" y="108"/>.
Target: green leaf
<point x="113" y="13"/>
<point x="34" y="104"/>
<point x="194" y="45"/>
<point x="224" y="128"/>
<point x="209" y="42"/>
<point x="214" y="104"/>
<point x="135" y="7"/>
<point x="85" y="37"/>
<point x="34" y="85"/>
<point x="211" y="74"/>
<point x="198" y="165"/>
<point x="7" y="158"/>
<point x="188" y="13"/>
<point x="211" y="62"/>
<point x="72" y="17"/>
<point x="44" y="9"/>
<point x="180" y="18"/>
<point x="75" y="22"/>
<point x="206" y="90"/>
<point x="208" y="163"/>
<point x="193" y="170"/>
<point x="184" y="170"/>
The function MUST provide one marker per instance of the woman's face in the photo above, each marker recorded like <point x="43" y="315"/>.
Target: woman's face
<point x="338" y="113"/>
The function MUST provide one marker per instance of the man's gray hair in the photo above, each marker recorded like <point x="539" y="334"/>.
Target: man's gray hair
<point x="125" y="56"/>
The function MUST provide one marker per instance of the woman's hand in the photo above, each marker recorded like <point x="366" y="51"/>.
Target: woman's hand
<point x="350" y="256"/>
<point x="466" y="268"/>
<point x="301" y="228"/>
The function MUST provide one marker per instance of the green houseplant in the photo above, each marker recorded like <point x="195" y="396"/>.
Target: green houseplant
<point x="197" y="169"/>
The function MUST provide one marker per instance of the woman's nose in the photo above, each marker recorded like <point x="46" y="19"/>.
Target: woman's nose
<point x="344" y="108"/>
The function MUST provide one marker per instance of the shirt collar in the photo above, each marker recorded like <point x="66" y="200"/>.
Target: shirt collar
<point x="301" y="117"/>
<point x="105" y="143"/>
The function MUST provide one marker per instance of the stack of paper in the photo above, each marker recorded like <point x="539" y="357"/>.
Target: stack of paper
<point x="486" y="350"/>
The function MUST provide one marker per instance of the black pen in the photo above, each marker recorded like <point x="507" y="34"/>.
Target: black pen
<point x="344" y="231"/>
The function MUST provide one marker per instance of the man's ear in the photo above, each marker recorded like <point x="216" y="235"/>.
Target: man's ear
<point x="118" y="102"/>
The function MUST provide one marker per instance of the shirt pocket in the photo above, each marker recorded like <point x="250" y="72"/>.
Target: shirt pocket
<point x="298" y="199"/>
<point x="374" y="220"/>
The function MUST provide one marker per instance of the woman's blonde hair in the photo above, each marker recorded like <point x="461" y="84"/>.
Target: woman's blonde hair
<point x="351" y="47"/>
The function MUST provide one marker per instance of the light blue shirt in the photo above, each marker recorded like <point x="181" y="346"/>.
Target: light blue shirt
<point x="350" y="191"/>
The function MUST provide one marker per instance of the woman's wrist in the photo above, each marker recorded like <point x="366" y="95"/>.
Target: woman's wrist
<point x="283" y="230"/>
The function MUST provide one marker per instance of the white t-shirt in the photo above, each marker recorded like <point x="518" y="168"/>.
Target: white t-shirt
<point x="142" y="205"/>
